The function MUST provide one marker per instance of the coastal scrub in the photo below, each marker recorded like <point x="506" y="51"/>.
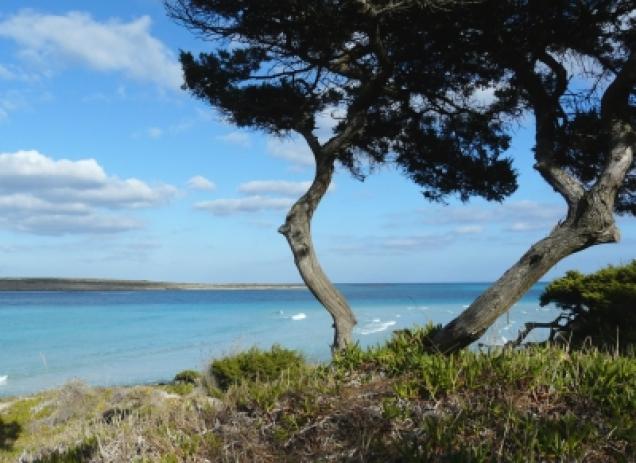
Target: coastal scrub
<point x="388" y="403"/>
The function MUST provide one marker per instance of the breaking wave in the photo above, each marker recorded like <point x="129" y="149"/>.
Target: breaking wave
<point x="376" y="326"/>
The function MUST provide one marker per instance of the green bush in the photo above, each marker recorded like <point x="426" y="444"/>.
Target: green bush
<point x="188" y="377"/>
<point x="398" y="355"/>
<point x="255" y="365"/>
<point x="599" y="308"/>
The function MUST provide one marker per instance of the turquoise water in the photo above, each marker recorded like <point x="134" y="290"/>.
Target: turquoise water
<point x="107" y="338"/>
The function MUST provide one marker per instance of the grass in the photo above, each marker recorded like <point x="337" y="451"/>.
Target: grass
<point x="387" y="403"/>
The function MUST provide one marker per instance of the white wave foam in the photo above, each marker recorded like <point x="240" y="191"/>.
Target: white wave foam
<point x="299" y="316"/>
<point x="3" y="380"/>
<point x="376" y="326"/>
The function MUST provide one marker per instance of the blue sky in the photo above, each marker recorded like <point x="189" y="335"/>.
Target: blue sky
<point x="108" y="169"/>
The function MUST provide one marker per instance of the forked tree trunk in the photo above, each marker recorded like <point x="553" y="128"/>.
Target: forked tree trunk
<point x="590" y="221"/>
<point x="297" y="230"/>
<point x="471" y="324"/>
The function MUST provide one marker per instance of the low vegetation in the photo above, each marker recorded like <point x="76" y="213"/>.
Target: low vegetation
<point x="388" y="403"/>
<point x="597" y="309"/>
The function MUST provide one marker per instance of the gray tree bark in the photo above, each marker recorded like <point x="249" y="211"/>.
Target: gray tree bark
<point x="590" y="218"/>
<point x="564" y="240"/>
<point x="297" y="230"/>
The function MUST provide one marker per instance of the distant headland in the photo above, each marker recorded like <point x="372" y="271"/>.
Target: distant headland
<point x="96" y="284"/>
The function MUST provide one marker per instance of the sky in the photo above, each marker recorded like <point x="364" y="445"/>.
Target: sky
<point x="108" y="169"/>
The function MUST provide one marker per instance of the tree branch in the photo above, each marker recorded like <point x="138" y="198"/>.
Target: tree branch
<point x="617" y="115"/>
<point x="547" y="108"/>
<point x="529" y="326"/>
<point x="615" y="101"/>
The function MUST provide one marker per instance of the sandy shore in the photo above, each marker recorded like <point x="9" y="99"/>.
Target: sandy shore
<point x="94" y="284"/>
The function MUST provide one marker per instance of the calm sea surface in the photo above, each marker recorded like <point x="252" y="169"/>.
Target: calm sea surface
<point x="106" y="338"/>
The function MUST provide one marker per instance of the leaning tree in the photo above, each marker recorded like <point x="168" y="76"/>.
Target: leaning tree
<point x="572" y="65"/>
<point x="404" y="95"/>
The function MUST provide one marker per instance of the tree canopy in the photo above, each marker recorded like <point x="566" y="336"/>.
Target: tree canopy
<point x="436" y="87"/>
<point x="402" y="96"/>
<point x="560" y="59"/>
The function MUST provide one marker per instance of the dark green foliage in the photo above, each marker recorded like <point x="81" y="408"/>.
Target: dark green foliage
<point x="403" y="77"/>
<point x="408" y="80"/>
<point x="600" y="307"/>
<point x="535" y="46"/>
<point x="9" y="432"/>
<point x="82" y="452"/>
<point x="402" y="92"/>
<point x="255" y="365"/>
<point x="188" y="377"/>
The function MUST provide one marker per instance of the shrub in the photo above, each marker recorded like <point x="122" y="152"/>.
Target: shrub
<point x="398" y="355"/>
<point x="255" y="365"/>
<point x="188" y="377"/>
<point x="599" y="308"/>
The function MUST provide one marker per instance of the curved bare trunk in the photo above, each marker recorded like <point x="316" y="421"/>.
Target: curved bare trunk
<point x="297" y="230"/>
<point x="471" y="324"/>
<point x="590" y="218"/>
<point x="590" y="221"/>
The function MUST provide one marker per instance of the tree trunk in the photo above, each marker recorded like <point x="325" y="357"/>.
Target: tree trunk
<point x="297" y="230"/>
<point x="590" y="218"/>
<point x="579" y="231"/>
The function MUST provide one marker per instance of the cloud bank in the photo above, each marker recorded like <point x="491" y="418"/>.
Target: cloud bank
<point x="281" y="187"/>
<point x="263" y="195"/>
<point x="293" y="150"/>
<point x="198" y="182"/>
<point x="247" y="204"/>
<point x="42" y="195"/>
<point x="114" y="46"/>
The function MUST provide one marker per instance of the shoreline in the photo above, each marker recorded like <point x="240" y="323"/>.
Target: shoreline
<point x="96" y="284"/>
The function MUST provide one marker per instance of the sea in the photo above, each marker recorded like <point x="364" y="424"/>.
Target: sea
<point x="138" y="337"/>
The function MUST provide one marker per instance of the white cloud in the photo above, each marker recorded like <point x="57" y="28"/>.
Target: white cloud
<point x="483" y="96"/>
<point x="281" y="187"/>
<point x="30" y="169"/>
<point x="526" y="226"/>
<point x="52" y="224"/>
<point x="39" y="194"/>
<point x="327" y="120"/>
<point x="154" y="132"/>
<point x="391" y="244"/>
<point x="236" y="138"/>
<point x="469" y="229"/>
<point x="518" y="216"/>
<point x="14" y="100"/>
<point x="248" y="204"/>
<point x="113" y="45"/>
<point x="5" y="73"/>
<point x="293" y="150"/>
<point x="198" y="182"/>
